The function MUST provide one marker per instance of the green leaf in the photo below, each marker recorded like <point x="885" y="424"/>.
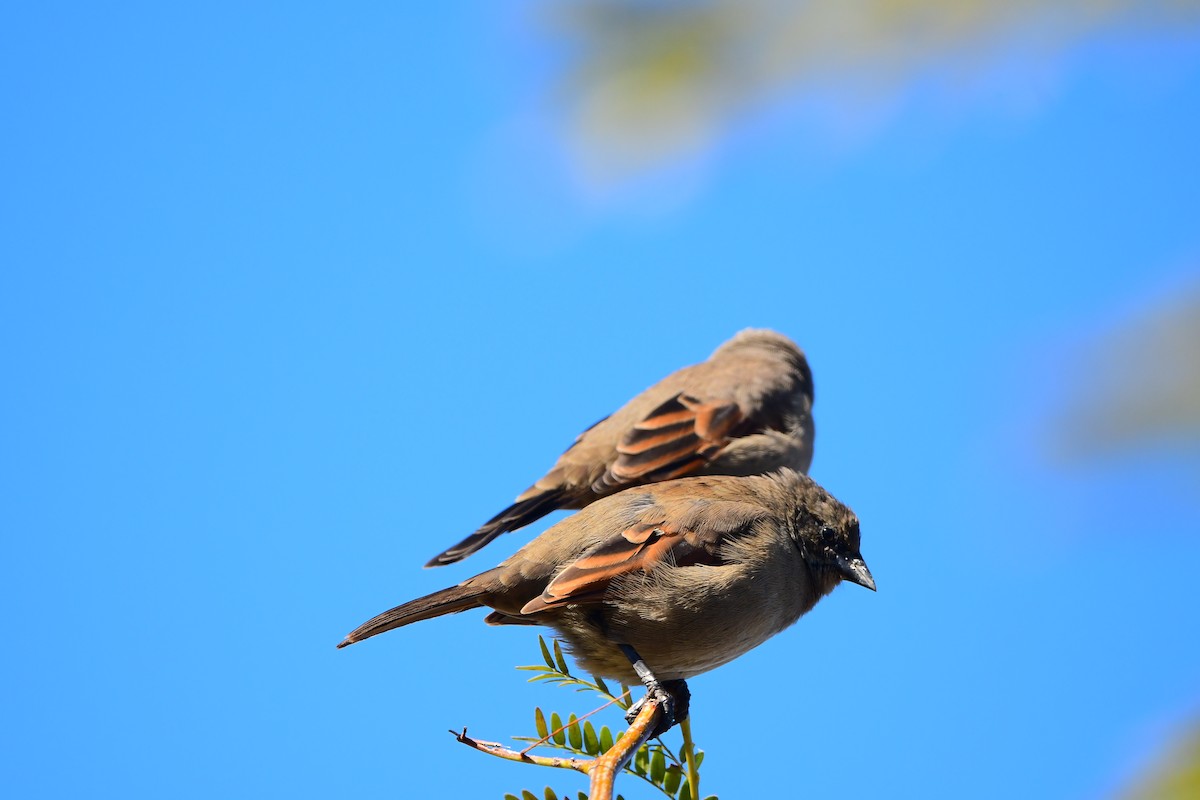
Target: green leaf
<point x="539" y="721"/>
<point x="528" y="795"/>
<point x="641" y="761"/>
<point x="601" y="685"/>
<point x="545" y="652"/>
<point x="658" y="766"/>
<point x="626" y="697"/>
<point x="510" y="797"/>
<point x="606" y="739"/>
<point x="699" y="758"/>
<point x="711" y="797"/>
<point x="583" y="796"/>
<point x="551" y="794"/>
<point x="672" y="778"/>
<point x="558" y="658"/>
<point x="685" y="791"/>
<point x="545" y="676"/>
<point x="560" y="737"/>
<point x="591" y="743"/>
<point x="574" y="733"/>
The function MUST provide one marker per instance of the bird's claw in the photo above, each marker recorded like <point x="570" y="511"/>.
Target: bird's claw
<point x="673" y="698"/>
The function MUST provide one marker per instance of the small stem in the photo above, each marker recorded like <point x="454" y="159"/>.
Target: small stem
<point x="563" y="727"/>
<point x="500" y="751"/>
<point x="688" y="751"/>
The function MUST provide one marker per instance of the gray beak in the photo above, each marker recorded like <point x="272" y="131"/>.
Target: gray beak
<point x="855" y="570"/>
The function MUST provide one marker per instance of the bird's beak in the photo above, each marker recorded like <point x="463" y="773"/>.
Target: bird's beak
<point x="855" y="570"/>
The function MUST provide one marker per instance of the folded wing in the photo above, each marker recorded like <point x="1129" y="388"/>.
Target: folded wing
<point x="684" y="533"/>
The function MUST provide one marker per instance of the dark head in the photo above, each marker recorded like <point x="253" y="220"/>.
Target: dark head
<point x="827" y="534"/>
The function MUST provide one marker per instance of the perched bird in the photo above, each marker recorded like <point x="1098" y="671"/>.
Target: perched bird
<point x="663" y="582"/>
<point x="745" y="411"/>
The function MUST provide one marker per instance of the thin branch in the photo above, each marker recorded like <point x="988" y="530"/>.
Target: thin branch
<point x="545" y="739"/>
<point x="500" y="751"/>
<point x="605" y="768"/>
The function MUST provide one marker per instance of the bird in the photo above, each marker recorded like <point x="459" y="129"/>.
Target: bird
<point x="744" y="411"/>
<point x="666" y="581"/>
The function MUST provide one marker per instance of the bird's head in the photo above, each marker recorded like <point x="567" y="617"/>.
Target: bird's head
<point x="827" y="535"/>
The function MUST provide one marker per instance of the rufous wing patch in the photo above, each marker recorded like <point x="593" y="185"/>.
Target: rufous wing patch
<point x="641" y="548"/>
<point x="677" y="438"/>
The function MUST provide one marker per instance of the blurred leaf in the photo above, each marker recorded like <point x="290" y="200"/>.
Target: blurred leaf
<point x="1178" y="776"/>
<point x="672" y="779"/>
<point x="550" y="794"/>
<point x="1136" y="386"/>
<point x="539" y="722"/>
<point x="641" y="760"/>
<point x="546" y="653"/>
<point x="658" y="766"/>
<point x="606" y="739"/>
<point x="528" y="795"/>
<point x="649" y="81"/>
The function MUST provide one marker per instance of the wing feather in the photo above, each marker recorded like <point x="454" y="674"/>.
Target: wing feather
<point x="679" y="534"/>
<point x="676" y="438"/>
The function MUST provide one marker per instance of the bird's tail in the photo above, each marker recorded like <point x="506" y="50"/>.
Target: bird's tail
<point x="447" y="601"/>
<point x="518" y="515"/>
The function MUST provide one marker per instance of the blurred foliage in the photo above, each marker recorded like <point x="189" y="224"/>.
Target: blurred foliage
<point x="647" y="82"/>
<point x="657" y="764"/>
<point x="651" y="80"/>
<point x="1178" y="777"/>
<point x="1137" y="386"/>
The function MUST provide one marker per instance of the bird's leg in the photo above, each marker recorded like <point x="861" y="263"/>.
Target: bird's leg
<point x="673" y="696"/>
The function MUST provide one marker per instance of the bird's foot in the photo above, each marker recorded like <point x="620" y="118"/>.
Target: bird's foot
<point x="673" y="697"/>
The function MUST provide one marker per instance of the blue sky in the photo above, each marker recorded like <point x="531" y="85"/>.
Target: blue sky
<point x="295" y="297"/>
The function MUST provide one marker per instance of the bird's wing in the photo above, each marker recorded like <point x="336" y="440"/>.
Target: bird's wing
<point x="682" y="533"/>
<point x="557" y="480"/>
<point x="675" y="439"/>
<point x="547" y="495"/>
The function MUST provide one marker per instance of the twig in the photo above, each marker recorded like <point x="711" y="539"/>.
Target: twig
<point x="605" y="768"/>
<point x="500" y="751"/>
<point x="566" y="725"/>
<point x="688" y="751"/>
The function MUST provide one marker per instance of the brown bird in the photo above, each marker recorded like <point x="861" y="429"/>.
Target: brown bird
<point x="664" y="582"/>
<point x="745" y="411"/>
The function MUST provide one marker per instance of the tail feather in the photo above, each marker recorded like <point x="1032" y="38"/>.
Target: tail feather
<point x="447" y="601"/>
<point x="518" y="515"/>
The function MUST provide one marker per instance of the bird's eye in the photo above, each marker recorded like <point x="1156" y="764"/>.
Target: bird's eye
<point x="828" y="536"/>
